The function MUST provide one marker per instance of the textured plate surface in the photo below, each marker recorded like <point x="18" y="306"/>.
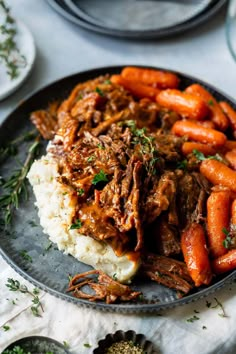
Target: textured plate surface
<point x="133" y="15"/>
<point x="38" y="345"/>
<point x="61" y="7"/>
<point x="50" y="269"/>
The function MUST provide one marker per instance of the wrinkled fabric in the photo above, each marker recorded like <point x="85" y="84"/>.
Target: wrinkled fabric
<point x="169" y="330"/>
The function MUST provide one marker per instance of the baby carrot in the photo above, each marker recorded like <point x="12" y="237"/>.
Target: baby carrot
<point x="185" y="104"/>
<point x="156" y="78"/>
<point x="136" y="88"/>
<point x="230" y="113"/>
<point x="231" y="157"/>
<point x="206" y="124"/>
<point x="193" y="244"/>
<point x="233" y="212"/>
<point x="218" y="211"/>
<point x="198" y="133"/>
<point x="217" y="115"/>
<point x="224" y="263"/>
<point x="218" y="173"/>
<point x="189" y="146"/>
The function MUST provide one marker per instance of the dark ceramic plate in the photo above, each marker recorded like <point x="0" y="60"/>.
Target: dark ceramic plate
<point x="49" y="270"/>
<point x="215" y="5"/>
<point x="38" y="345"/>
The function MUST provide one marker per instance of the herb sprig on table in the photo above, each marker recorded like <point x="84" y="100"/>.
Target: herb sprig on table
<point x="15" y="186"/>
<point x="14" y="285"/>
<point x="9" y="52"/>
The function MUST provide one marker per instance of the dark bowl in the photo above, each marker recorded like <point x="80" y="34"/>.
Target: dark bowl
<point x="38" y="345"/>
<point x="136" y="339"/>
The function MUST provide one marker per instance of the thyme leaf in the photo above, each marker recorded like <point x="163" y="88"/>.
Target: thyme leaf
<point x="76" y="225"/>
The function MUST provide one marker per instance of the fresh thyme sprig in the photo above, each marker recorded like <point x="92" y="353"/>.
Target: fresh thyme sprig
<point x="9" y="52"/>
<point x="11" y="148"/>
<point x="14" y="285"/>
<point x="16" y="186"/>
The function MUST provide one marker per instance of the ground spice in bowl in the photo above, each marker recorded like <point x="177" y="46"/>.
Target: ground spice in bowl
<point x="124" y="347"/>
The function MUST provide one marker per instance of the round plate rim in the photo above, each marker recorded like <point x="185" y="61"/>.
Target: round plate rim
<point x="201" y="18"/>
<point x="87" y="18"/>
<point x="122" y="308"/>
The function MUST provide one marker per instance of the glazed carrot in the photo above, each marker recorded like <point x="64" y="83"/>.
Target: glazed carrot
<point x="217" y="115"/>
<point x="218" y="215"/>
<point x="230" y="113"/>
<point x="207" y="124"/>
<point x="224" y="263"/>
<point x="198" y="133"/>
<point x="231" y="157"/>
<point x="185" y="104"/>
<point x="136" y="88"/>
<point x="218" y="173"/>
<point x="193" y="244"/>
<point x="230" y="145"/>
<point x="188" y="147"/>
<point x="156" y="78"/>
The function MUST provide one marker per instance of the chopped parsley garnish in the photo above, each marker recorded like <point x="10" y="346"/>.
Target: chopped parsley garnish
<point x="107" y="82"/>
<point x="100" y="177"/>
<point x="91" y="158"/>
<point x="211" y="103"/>
<point x="228" y="239"/>
<point x="100" y="146"/>
<point x="204" y="327"/>
<point x="76" y="225"/>
<point x="24" y="254"/>
<point x="87" y="345"/>
<point x="193" y="319"/>
<point x="80" y="192"/>
<point x="201" y="157"/>
<point x="182" y="165"/>
<point x="115" y="277"/>
<point x="6" y="328"/>
<point x="99" y="91"/>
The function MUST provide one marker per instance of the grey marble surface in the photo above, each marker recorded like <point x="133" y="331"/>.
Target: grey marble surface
<point x="64" y="48"/>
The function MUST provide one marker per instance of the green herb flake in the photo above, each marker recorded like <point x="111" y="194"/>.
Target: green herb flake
<point x="107" y="82"/>
<point x="193" y="319"/>
<point x="99" y="91"/>
<point x="32" y="223"/>
<point x="24" y="254"/>
<point x="201" y="157"/>
<point x="47" y="248"/>
<point x="182" y="165"/>
<point x="100" y="177"/>
<point x="76" y="225"/>
<point x="211" y="103"/>
<point x="115" y="277"/>
<point x="87" y="345"/>
<point x="100" y="146"/>
<point x="204" y="327"/>
<point x="228" y="239"/>
<point x="6" y="328"/>
<point x="91" y="158"/>
<point x="80" y="192"/>
<point x="66" y="344"/>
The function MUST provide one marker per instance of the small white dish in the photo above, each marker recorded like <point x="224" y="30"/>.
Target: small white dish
<point x="25" y="43"/>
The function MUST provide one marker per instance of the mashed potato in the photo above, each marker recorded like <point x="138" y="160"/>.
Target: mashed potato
<point x="56" y="204"/>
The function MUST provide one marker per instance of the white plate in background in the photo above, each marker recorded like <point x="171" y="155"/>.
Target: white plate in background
<point x="25" y="43"/>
